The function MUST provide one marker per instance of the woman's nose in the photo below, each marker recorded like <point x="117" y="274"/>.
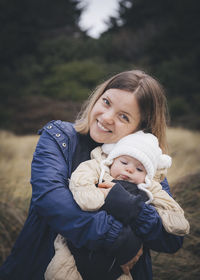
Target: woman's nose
<point x="108" y="117"/>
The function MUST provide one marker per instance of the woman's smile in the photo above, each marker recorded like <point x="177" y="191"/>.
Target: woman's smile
<point x="115" y="115"/>
<point x="101" y="126"/>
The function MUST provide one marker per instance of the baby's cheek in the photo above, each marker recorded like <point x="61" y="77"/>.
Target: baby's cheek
<point x="141" y="178"/>
<point x="117" y="177"/>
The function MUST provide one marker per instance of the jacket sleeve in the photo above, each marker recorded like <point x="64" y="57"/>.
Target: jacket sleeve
<point x="147" y="223"/>
<point x="122" y="204"/>
<point x="169" y="210"/>
<point x="54" y="203"/>
<point x="83" y="186"/>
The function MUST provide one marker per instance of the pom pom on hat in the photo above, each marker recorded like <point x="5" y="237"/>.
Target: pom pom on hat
<point x="165" y="161"/>
<point x="107" y="148"/>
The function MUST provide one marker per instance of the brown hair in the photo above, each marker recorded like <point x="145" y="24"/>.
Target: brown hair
<point x="150" y="97"/>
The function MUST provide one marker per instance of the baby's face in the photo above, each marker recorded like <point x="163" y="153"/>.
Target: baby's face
<point x="129" y="169"/>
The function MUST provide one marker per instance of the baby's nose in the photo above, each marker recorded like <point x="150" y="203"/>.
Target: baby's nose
<point x="130" y="169"/>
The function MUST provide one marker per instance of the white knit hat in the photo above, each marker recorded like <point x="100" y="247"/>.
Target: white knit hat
<point x="143" y="147"/>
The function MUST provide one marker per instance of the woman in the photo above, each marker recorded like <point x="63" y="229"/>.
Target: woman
<point x="127" y="102"/>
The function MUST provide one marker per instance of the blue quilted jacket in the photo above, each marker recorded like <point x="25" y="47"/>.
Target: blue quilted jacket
<point x="53" y="210"/>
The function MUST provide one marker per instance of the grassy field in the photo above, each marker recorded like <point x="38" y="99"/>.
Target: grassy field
<point x="185" y="152"/>
<point x="184" y="178"/>
<point x="15" y="190"/>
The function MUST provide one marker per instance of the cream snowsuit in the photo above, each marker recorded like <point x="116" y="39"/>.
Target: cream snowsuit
<point x="90" y="198"/>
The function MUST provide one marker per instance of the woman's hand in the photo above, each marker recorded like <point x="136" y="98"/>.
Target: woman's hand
<point x="129" y="265"/>
<point x="105" y="187"/>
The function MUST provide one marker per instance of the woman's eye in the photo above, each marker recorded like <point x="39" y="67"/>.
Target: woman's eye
<point x="124" y="117"/>
<point x="105" y="100"/>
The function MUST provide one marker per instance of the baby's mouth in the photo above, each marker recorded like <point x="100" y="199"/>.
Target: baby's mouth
<point x="123" y="177"/>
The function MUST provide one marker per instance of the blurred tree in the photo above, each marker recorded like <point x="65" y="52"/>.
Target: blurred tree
<point x="163" y="36"/>
<point x="159" y="29"/>
<point x="74" y="80"/>
<point x="24" y="23"/>
<point x="44" y="52"/>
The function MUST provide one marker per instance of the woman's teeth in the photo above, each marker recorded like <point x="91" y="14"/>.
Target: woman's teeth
<point x="102" y="127"/>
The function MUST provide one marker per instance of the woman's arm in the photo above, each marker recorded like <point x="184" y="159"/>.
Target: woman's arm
<point x="172" y="215"/>
<point x="170" y="212"/>
<point x="153" y="232"/>
<point x="145" y="220"/>
<point x="53" y="202"/>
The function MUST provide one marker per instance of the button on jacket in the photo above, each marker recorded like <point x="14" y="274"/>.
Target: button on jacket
<point x="53" y="210"/>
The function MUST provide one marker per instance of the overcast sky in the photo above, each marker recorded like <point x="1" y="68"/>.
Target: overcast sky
<point x="96" y="13"/>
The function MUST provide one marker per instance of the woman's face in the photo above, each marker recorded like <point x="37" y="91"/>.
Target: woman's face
<point x="115" y="115"/>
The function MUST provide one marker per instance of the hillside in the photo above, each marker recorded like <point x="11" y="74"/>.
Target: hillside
<point x="184" y="177"/>
<point x="184" y="264"/>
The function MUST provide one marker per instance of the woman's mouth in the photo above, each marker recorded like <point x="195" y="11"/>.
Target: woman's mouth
<point x="102" y="127"/>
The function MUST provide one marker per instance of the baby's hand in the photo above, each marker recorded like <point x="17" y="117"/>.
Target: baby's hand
<point x="105" y="187"/>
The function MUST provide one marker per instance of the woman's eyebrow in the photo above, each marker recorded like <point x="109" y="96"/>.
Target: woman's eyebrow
<point x="127" y="113"/>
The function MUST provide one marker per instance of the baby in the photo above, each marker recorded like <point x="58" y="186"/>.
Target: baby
<point x="135" y="163"/>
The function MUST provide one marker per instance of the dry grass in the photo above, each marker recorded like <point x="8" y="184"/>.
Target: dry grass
<point x="184" y="148"/>
<point x="184" y="264"/>
<point x="15" y="165"/>
<point x="15" y="191"/>
<point x="184" y="175"/>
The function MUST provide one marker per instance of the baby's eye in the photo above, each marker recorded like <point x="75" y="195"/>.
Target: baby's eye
<point x="106" y="101"/>
<point x="123" y="162"/>
<point x="139" y="169"/>
<point x="124" y="117"/>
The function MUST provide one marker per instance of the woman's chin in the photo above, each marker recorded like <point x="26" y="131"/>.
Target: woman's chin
<point x="101" y="137"/>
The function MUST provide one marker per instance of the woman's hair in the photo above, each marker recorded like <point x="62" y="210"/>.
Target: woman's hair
<point x="150" y="97"/>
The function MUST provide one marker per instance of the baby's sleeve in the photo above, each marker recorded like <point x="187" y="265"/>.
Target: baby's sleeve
<point x="170" y="212"/>
<point x="83" y="186"/>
